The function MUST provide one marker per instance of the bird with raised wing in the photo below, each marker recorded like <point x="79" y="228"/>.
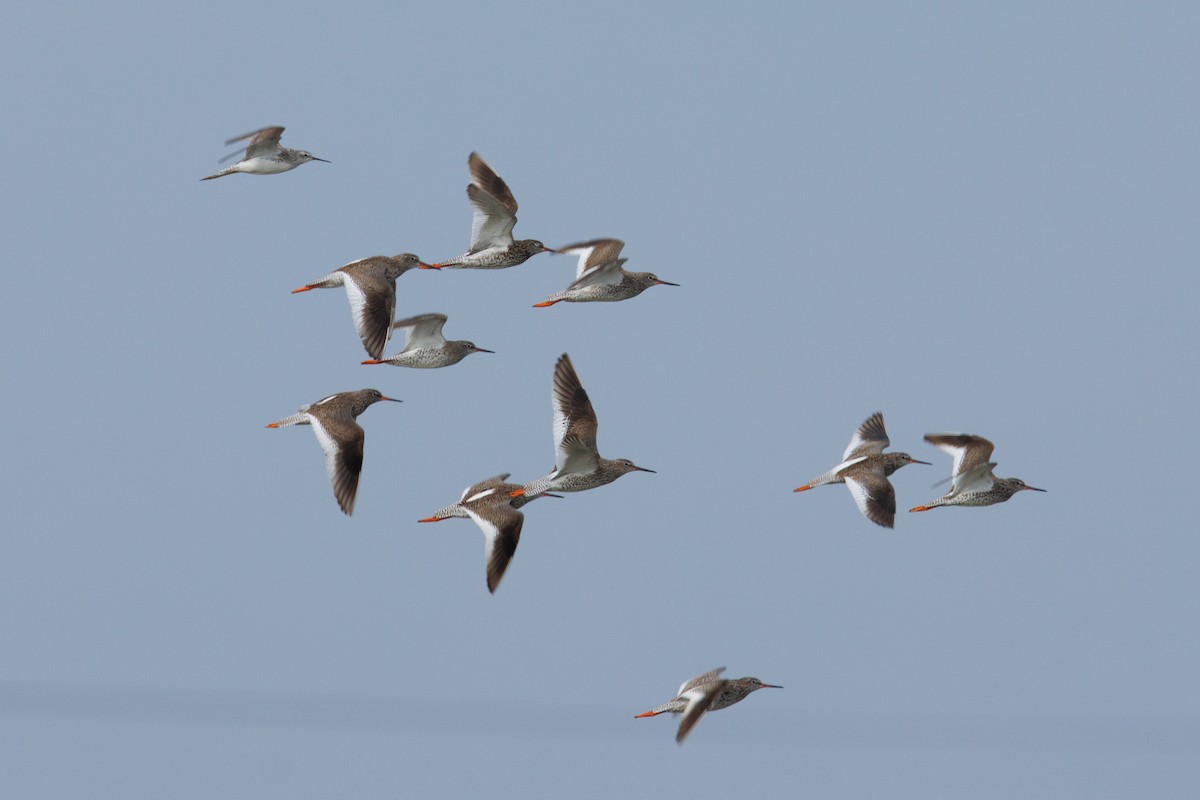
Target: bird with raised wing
<point x="578" y="466"/>
<point x="425" y="347"/>
<point x="974" y="483"/>
<point x="332" y="419"/>
<point x="600" y="275"/>
<point x="371" y="288"/>
<point x="264" y="155"/>
<point x="865" y="470"/>
<point x="495" y="208"/>
<point x="707" y="692"/>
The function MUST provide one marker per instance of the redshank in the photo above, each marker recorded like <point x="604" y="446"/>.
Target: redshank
<point x="974" y="482"/>
<point x="332" y="419"/>
<point x="264" y="155"/>
<point x="865" y="469"/>
<point x="492" y="245"/>
<point x="490" y="504"/>
<point x="600" y="275"/>
<point x="371" y="287"/>
<point x="707" y="692"/>
<point x="425" y="347"/>
<point x="577" y="464"/>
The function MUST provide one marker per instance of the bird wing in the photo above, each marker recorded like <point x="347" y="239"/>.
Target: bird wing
<point x="342" y="441"/>
<point x="494" y="204"/>
<point x="978" y="478"/>
<point x="372" y="305"/>
<point x="501" y="525"/>
<point x="424" y="330"/>
<point x="264" y="141"/>
<point x="574" y="421"/>
<point x="870" y="438"/>
<point x="700" y="680"/>
<point x="473" y="490"/>
<point x="492" y="224"/>
<point x="845" y="465"/>
<point x="605" y="273"/>
<point x="969" y="451"/>
<point x="485" y="177"/>
<point x="699" y="700"/>
<point x="875" y="497"/>
<point x="593" y="254"/>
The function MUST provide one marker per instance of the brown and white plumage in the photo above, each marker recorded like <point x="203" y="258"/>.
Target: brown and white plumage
<point x="865" y="469"/>
<point x="264" y="154"/>
<point x="707" y="692"/>
<point x="578" y="465"/>
<point x="974" y="482"/>
<point x="494" y="216"/>
<point x="371" y="289"/>
<point x="491" y="506"/>
<point x="600" y="275"/>
<point x="425" y="347"/>
<point x="333" y="420"/>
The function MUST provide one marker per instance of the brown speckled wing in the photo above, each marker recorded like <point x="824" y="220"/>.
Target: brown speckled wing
<point x="486" y="178"/>
<point x="575" y="421"/>
<point x="874" y="496"/>
<point x="372" y="304"/>
<point x="969" y="451"/>
<point x="262" y="141"/>
<point x="696" y="707"/>
<point x="501" y="525"/>
<point x="342" y="440"/>
<point x="870" y="438"/>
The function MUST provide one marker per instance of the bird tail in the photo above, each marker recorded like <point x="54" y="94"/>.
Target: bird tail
<point x="221" y="174"/>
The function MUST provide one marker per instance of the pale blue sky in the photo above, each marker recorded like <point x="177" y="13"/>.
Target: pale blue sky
<point x="977" y="219"/>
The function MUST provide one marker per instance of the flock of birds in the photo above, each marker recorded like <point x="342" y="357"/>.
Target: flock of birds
<point x="494" y="504"/>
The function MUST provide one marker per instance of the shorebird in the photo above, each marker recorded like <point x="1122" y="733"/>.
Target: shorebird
<point x="332" y="419"/>
<point x="264" y="155"/>
<point x="492" y="245"/>
<point x="371" y="288"/>
<point x="426" y="347"/>
<point x="974" y="482"/>
<point x="865" y="469"/>
<point x="707" y="692"/>
<point x="600" y="275"/>
<point x="577" y="464"/>
<point x="490" y="505"/>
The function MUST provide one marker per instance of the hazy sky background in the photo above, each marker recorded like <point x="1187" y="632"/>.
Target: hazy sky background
<point x="979" y="219"/>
